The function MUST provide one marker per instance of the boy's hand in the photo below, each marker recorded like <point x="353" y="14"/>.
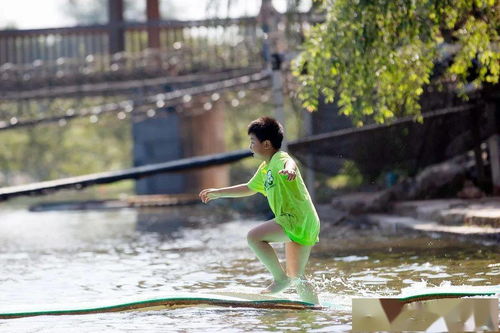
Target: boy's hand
<point x="291" y="174"/>
<point x="208" y="194"/>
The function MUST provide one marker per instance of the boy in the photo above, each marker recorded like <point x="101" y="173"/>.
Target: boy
<point x="296" y="222"/>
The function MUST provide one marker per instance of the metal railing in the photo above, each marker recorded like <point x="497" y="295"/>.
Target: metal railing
<point x="204" y="37"/>
<point x="30" y="59"/>
<point x="49" y="57"/>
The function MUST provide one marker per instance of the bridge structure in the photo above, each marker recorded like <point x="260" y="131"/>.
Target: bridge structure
<point x="167" y="76"/>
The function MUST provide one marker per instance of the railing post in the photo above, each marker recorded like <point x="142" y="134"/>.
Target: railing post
<point x="115" y="24"/>
<point x="476" y="137"/>
<point x="310" y="173"/>
<point x="153" y="17"/>
<point x="277" y="91"/>
<point x="273" y="58"/>
<point x="493" y="116"/>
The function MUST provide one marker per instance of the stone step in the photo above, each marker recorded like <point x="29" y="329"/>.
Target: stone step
<point x="484" y="217"/>
<point x="395" y="222"/>
<point x="424" y="209"/>
<point x="454" y="212"/>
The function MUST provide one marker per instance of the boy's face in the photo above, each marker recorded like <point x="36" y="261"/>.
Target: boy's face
<point x="259" y="149"/>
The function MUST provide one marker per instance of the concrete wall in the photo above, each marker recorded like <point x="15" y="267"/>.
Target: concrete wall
<point x="158" y="140"/>
<point x="192" y="132"/>
<point x="327" y="118"/>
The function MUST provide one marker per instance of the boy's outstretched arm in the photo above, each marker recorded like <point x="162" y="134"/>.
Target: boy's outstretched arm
<point x="290" y="170"/>
<point x="235" y="191"/>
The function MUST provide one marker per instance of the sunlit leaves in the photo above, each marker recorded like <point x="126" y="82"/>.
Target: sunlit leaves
<point x="375" y="57"/>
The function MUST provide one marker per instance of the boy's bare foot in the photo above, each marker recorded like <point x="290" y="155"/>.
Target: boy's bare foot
<point x="276" y="286"/>
<point x="305" y="290"/>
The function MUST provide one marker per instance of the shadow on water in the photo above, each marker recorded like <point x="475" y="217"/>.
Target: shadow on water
<point x="171" y="222"/>
<point x="155" y="220"/>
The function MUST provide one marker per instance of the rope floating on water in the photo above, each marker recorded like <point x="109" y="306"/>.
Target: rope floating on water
<point x="170" y="303"/>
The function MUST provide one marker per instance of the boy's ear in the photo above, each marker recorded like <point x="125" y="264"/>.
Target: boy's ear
<point x="267" y="144"/>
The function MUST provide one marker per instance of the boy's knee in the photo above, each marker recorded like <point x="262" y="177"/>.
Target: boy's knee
<point x="253" y="237"/>
<point x="250" y="237"/>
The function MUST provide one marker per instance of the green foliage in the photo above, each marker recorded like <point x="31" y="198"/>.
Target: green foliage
<point x="374" y="57"/>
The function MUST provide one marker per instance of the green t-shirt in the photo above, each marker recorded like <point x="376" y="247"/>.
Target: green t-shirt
<point x="289" y="200"/>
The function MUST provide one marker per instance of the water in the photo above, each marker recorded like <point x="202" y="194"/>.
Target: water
<point x="78" y="257"/>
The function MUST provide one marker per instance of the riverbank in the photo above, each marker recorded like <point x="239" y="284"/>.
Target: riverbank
<point x="346" y="216"/>
<point x="474" y="219"/>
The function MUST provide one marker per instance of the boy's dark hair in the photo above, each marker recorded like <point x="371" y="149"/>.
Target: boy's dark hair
<point x="267" y="128"/>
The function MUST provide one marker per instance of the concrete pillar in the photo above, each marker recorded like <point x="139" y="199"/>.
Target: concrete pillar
<point x="203" y="134"/>
<point x="116" y="29"/>
<point x="195" y="131"/>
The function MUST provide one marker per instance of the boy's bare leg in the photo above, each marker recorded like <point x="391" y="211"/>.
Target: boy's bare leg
<point x="297" y="256"/>
<point x="258" y="239"/>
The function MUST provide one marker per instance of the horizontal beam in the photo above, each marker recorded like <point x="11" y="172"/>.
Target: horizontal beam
<point x="254" y="81"/>
<point x="110" y="87"/>
<point x="313" y="139"/>
<point x="174" y="24"/>
<point x="81" y="182"/>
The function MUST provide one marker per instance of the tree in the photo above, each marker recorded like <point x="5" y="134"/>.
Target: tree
<point x="375" y="57"/>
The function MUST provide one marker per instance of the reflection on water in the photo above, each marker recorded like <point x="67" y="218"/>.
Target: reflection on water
<point x="74" y="257"/>
<point x="158" y="222"/>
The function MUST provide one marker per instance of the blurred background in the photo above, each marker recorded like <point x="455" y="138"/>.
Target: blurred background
<point x="82" y="89"/>
<point x="114" y="114"/>
<point x="95" y="86"/>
